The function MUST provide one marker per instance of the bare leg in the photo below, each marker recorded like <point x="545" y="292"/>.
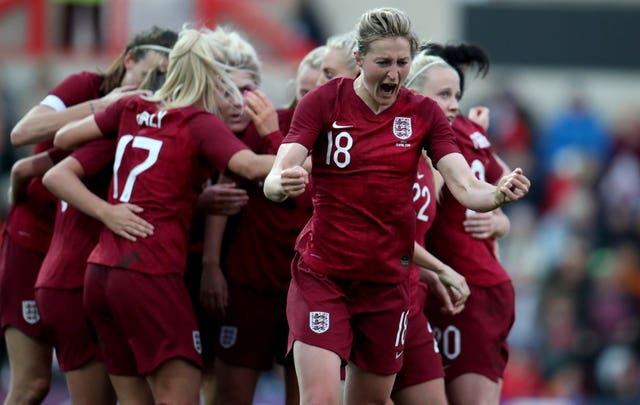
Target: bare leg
<point x="132" y="390"/>
<point x="208" y="388"/>
<point x="236" y="385"/>
<point x="90" y="385"/>
<point x="176" y="382"/>
<point x="364" y="387"/>
<point x="474" y="389"/>
<point x="30" y="365"/>
<point x="318" y="374"/>
<point x="429" y="392"/>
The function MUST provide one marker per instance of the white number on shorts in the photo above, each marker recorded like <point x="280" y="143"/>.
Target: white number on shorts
<point x="142" y="142"/>
<point x="449" y="341"/>
<point x="341" y="156"/>
<point x="402" y="328"/>
<point x="417" y="193"/>
<point x="435" y="339"/>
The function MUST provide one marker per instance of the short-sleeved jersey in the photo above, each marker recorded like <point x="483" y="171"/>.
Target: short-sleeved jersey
<point x="30" y="223"/>
<point x="75" y="234"/>
<point x="473" y="258"/>
<point x="75" y="89"/>
<point x="260" y="243"/>
<point x="158" y="166"/>
<point x="424" y="203"/>
<point x="364" y="166"/>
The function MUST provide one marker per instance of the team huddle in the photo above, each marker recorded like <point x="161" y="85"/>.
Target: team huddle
<point x="174" y="234"/>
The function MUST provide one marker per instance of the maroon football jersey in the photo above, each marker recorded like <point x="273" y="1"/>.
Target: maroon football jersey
<point x="261" y="243"/>
<point x="447" y="239"/>
<point x="30" y="223"/>
<point x="75" y="234"/>
<point x="159" y="161"/>
<point x="364" y="167"/>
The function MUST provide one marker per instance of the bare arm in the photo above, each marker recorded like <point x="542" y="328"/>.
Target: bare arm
<point x="249" y="165"/>
<point x="42" y="122"/>
<point x="23" y="171"/>
<point x="449" y="286"/>
<point x="287" y="177"/>
<point x="214" y="294"/>
<point x="64" y="181"/>
<point x="478" y="195"/>
<point x="77" y="133"/>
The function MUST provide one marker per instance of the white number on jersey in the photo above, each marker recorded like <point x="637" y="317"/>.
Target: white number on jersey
<point x="343" y="143"/>
<point x="424" y="192"/>
<point x="142" y="142"/>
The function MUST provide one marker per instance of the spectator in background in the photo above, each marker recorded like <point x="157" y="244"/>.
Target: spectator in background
<point x="578" y="127"/>
<point x="72" y="10"/>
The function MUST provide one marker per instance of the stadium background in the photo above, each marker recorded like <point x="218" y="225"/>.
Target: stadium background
<point x="564" y="92"/>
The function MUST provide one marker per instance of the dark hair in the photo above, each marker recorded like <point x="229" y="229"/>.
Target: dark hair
<point x="163" y="38"/>
<point x="153" y="80"/>
<point x="461" y="57"/>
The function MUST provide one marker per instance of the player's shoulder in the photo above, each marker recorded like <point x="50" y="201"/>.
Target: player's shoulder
<point x="466" y="125"/>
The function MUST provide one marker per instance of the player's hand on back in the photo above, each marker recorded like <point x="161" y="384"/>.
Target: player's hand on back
<point x="123" y="220"/>
<point x="222" y="199"/>
<point x="119" y="92"/>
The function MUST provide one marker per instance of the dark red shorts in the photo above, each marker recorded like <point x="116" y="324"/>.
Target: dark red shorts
<point x="422" y="360"/>
<point x="475" y="341"/>
<point x="360" y="321"/>
<point x="19" y="269"/>
<point x="254" y="332"/>
<point x="67" y="327"/>
<point x="141" y="320"/>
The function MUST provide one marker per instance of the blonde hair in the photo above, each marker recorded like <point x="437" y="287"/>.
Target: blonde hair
<point x="313" y="60"/>
<point x="419" y="66"/>
<point x="237" y="52"/>
<point x="347" y="44"/>
<point x="381" y="23"/>
<point x="194" y="74"/>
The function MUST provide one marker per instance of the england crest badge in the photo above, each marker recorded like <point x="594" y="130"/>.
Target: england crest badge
<point x="228" y="336"/>
<point x="30" y="312"/>
<point x="319" y="321"/>
<point x="197" y="344"/>
<point x="402" y="128"/>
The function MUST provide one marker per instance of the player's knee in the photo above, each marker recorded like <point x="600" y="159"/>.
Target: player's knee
<point x="32" y="392"/>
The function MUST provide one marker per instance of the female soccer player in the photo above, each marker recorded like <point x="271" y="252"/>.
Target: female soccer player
<point x="30" y="221"/>
<point x="339" y="59"/>
<point x="474" y="343"/>
<point x="250" y="277"/>
<point x="134" y="290"/>
<point x="349" y="295"/>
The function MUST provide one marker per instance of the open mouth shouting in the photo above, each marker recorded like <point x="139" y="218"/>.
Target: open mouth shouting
<point x="388" y="90"/>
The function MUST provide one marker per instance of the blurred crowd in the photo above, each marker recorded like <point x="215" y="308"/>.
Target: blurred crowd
<point x="573" y="252"/>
